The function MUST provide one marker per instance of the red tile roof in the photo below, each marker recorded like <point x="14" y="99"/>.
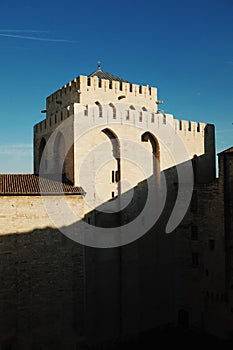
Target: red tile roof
<point x="30" y="184"/>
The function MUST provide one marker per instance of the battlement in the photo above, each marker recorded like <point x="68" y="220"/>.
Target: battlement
<point x="87" y="90"/>
<point x="188" y="126"/>
<point x="52" y="121"/>
<point x="116" y="86"/>
<point x="94" y="101"/>
<point x="137" y="115"/>
<point x="126" y="120"/>
<point x="112" y="112"/>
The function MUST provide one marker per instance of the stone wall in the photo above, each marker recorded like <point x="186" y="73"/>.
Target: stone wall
<point x="41" y="292"/>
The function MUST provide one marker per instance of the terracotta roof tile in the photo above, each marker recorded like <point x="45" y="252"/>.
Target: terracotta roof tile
<point x="30" y="184"/>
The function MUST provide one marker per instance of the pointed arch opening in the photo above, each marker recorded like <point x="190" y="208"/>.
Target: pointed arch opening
<point x="116" y="174"/>
<point x="113" y="110"/>
<point x="195" y="167"/>
<point x="42" y="145"/>
<point x="59" y="154"/>
<point x="100" y="109"/>
<point x="115" y="142"/>
<point x="149" y="137"/>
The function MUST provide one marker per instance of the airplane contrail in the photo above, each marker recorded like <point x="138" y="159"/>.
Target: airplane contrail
<point x="23" y="31"/>
<point x="35" y="38"/>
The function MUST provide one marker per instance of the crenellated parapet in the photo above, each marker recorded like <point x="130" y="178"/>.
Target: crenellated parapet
<point x="125" y="119"/>
<point x="91" y="93"/>
<point x="93" y="89"/>
<point x="87" y="90"/>
<point x="111" y="112"/>
<point x="53" y="120"/>
<point x="62" y="98"/>
<point x="136" y="115"/>
<point x="186" y="126"/>
<point x="94" y="101"/>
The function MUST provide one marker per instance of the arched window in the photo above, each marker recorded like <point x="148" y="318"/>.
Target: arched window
<point x="86" y="111"/>
<point x="164" y="119"/>
<point x="148" y="136"/>
<point x="42" y="165"/>
<point x="195" y="167"/>
<point x="152" y="117"/>
<point x="115" y="174"/>
<point x="183" y="318"/>
<point x="115" y="142"/>
<point x="131" y="113"/>
<point x="113" y="110"/>
<point x="59" y="154"/>
<point x="100" y="109"/>
<point x="140" y="116"/>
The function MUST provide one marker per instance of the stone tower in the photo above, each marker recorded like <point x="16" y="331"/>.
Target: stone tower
<point x="102" y="108"/>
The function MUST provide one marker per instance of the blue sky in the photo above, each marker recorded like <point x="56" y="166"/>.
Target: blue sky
<point x="185" y="48"/>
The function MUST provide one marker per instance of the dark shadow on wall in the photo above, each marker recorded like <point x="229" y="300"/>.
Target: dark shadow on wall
<point x="58" y="294"/>
<point x="41" y="292"/>
<point x="205" y="165"/>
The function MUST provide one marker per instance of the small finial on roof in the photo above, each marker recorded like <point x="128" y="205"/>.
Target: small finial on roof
<point x="99" y="65"/>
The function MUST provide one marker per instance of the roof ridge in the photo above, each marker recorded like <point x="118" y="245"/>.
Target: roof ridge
<point x="33" y="184"/>
<point x="106" y="75"/>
